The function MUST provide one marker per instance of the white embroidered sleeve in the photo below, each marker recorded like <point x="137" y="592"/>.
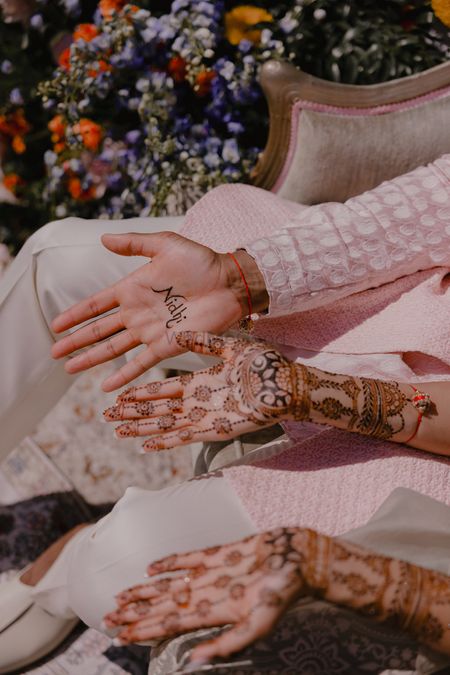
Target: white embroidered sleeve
<point x="333" y="250"/>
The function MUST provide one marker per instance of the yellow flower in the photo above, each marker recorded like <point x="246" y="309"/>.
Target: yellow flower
<point x="442" y="10"/>
<point x="239" y="22"/>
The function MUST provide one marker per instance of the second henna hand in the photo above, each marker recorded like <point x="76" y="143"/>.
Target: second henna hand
<point x="256" y="386"/>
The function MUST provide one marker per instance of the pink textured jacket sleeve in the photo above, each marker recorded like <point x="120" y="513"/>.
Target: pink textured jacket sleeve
<point x="332" y="250"/>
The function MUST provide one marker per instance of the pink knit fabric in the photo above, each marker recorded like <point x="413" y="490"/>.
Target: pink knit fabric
<point x="334" y="481"/>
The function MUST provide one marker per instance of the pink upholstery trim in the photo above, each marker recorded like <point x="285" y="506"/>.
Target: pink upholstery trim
<point x="295" y="120"/>
<point x="346" y="112"/>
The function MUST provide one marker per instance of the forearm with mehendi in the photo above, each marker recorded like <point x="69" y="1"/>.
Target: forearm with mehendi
<point x="376" y="408"/>
<point x="414" y="599"/>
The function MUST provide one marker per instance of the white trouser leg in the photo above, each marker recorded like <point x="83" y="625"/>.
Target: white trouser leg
<point x="59" y="265"/>
<point x="144" y="526"/>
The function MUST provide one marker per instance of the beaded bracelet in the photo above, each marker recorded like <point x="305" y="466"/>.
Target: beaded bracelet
<point x="422" y="403"/>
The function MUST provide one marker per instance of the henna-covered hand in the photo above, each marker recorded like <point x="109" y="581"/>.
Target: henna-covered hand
<point x="248" y="584"/>
<point x="254" y="387"/>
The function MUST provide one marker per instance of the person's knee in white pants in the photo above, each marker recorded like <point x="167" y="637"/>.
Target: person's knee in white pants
<point x="60" y="264"/>
<point x="143" y="527"/>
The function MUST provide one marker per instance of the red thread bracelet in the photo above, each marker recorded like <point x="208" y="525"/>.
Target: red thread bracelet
<point x="421" y="402"/>
<point x="249" y="297"/>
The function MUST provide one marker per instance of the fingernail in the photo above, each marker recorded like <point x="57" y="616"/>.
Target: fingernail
<point x="127" y="430"/>
<point x="127" y="395"/>
<point x="118" y="642"/>
<point x="122" y="597"/>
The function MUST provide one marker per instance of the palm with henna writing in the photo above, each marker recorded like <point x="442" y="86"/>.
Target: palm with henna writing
<point x="253" y="387"/>
<point x="248" y="584"/>
<point x="186" y="286"/>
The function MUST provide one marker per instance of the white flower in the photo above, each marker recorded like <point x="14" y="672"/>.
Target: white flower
<point x="61" y="211"/>
<point x="143" y="85"/>
<point x="203" y="34"/>
<point x="50" y="158"/>
<point x="319" y="14"/>
<point x="230" y="152"/>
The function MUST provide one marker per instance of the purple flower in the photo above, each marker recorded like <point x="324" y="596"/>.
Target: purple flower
<point x="133" y="136"/>
<point x="37" y="22"/>
<point x="16" y="97"/>
<point x="6" y="67"/>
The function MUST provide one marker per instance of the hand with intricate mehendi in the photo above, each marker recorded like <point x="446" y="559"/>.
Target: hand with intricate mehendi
<point x="187" y="286"/>
<point x="250" y="584"/>
<point x="252" y="388"/>
<point x="255" y="386"/>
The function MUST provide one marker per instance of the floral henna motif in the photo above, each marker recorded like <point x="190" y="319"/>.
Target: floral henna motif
<point x="237" y="591"/>
<point x="203" y="608"/>
<point x="166" y="422"/>
<point x="153" y="388"/>
<point x="146" y="408"/>
<point x="233" y="558"/>
<point x="223" y="581"/>
<point x="202" y="393"/>
<point x="332" y="408"/>
<point x="222" y="425"/>
<point x="197" y="414"/>
<point x="186" y="378"/>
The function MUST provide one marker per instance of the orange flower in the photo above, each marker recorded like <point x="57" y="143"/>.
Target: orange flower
<point x="57" y="126"/>
<point x="90" y="132"/>
<point x="239" y="23"/>
<point x="442" y="10"/>
<point x="177" y="69"/>
<point x="85" y="31"/>
<point x="203" y="82"/>
<point x="64" y="59"/>
<point x="12" y="181"/>
<point x="18" y="145"/>
<point x="77" y="192"/>
<point x="15" y="126"/>
<point x="108" y="7"/>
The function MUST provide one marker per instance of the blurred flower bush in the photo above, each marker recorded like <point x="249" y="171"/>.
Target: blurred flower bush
<point x="113" y="110"/>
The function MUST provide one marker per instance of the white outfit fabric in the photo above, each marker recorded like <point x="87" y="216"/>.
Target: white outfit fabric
<point x="144" y="526"/>
<point x="61" y="264"/>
